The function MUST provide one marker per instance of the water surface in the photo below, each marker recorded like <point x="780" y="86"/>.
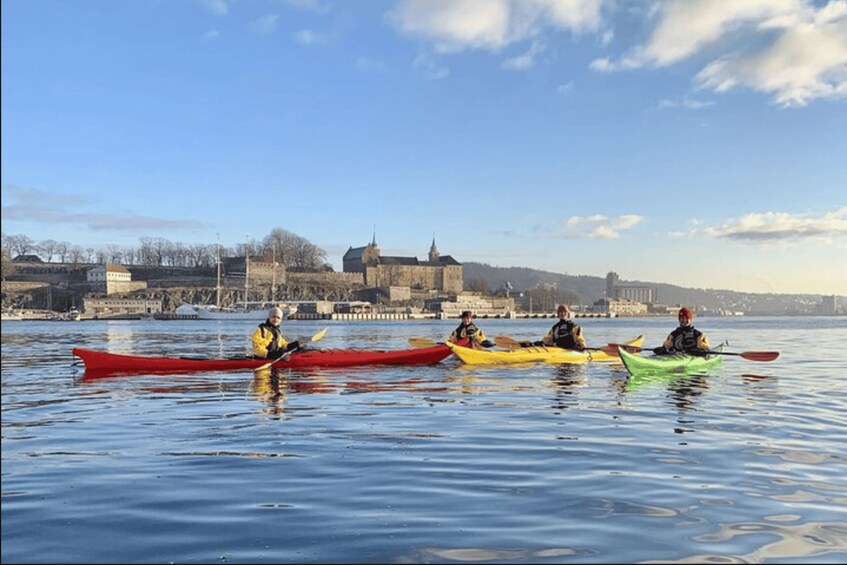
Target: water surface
<point x="444" y="463"/>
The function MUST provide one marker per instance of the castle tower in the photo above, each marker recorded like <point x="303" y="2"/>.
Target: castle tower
<point x="433" y="252"/>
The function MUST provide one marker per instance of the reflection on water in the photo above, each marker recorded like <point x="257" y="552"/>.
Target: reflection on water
<point x="441" y="463"/>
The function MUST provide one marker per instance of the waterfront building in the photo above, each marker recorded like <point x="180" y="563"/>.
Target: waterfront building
<point x="441" y="273"/>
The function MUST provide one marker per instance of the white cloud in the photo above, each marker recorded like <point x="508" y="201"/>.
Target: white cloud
<point x="565" y="88"/>
<point x="806" y="62"/>
<point x="425" y="64"/>
<point x="265" y="24"/>
<point x="525" y="61"/>
<point x="455" y="25"/>
<point x="212" y="34"/>
<point x="309" y="37"/>
<point x="217" y="7"/>
<point x="787" y="48"/>
<point x="598" y="226"/>
<point x="782" y="226"/>
<point x="685" y="102"/>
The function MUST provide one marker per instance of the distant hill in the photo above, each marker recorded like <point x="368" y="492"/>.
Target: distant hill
<point x="590" y="289"/>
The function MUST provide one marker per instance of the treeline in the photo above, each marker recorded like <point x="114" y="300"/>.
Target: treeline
<point x="296" y="253"/>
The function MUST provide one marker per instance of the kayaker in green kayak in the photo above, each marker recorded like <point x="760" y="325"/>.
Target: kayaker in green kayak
<point x="268" y="341"/>
<point x="686" y="338"/>
<point x="468" y="330"/>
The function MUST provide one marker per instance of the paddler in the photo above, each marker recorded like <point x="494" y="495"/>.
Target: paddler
<point x="268" y="341"/>
<point x="565" y="333"/>
<point x="468" y="330"/>
<point x="686" y="338"/>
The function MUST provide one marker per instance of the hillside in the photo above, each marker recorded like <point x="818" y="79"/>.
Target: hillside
<point x="589" y="289"/>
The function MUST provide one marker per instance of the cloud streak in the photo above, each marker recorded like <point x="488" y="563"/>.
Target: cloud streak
<point x="597" y="226"/>
<point x="782" y="226"/>
<point x="28" y="206"/>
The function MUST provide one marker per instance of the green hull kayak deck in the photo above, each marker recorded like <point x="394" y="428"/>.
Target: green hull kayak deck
<point x="662" y="364"/>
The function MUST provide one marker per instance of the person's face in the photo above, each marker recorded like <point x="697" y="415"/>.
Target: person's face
<point x="467" y="318"/>
<point x="684" y="320"/>
<point x="563" y="313"/>
<point x="275" y="320"/>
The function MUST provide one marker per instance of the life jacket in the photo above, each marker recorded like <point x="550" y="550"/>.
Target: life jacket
<point x="685" y="338"/>
<point x="466" y="332"/>
<point x="563" y="334"/>
<point x="276" y="333"/>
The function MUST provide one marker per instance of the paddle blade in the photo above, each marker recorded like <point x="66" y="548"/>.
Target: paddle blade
<point x="629" y="348"/>
<point x="421" y="342"/>
<point x="610" y="349"/>
<point x="506" y="342"/>
<point x="762" y="356"/>
<point x="319" y="336"/>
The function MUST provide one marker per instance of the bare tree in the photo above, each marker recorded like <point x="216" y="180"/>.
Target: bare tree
<point x="48" y="249"/>
<point x="114" y="253"/>
<point x="21" y="244"/>
<point x="294" y="251"/>
<point x="76" y="254"/>
<point x="62" y="250"/>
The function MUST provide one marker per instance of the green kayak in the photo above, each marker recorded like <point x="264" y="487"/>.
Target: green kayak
<point x="677" y="363"/>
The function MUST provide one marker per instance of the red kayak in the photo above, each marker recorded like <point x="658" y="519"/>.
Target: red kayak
<point x="103" y="364"/>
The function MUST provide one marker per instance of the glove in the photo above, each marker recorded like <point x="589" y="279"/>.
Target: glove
<point x="526" y="344"/>
<point x="276" y="354"/>
<point x="538" y="344"/>
<point x="659" y="350"/>
<point x="487" y="343"/>
<point x="293" y="346"/>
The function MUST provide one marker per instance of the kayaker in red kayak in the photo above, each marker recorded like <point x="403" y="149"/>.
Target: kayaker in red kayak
<point x="686" y="338"/>
<point x="268" y="341"/>
<point x="468" y="330"/>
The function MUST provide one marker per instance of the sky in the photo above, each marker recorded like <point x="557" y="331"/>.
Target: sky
<point x="701" y="143"/>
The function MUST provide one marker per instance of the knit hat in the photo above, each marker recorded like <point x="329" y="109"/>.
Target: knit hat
<point x="275" y="311"/>
<point x="685" y="311"/>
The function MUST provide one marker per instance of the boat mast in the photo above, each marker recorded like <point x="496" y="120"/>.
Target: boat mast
<point x="218" y="287"/>
<point x="273" y="276"/>
<point x="246" y="271"/>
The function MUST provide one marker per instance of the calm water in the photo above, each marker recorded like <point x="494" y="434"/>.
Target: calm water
<point x="444" y="463"/>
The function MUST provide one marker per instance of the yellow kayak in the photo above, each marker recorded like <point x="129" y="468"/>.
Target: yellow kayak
<point x="534" y="354"/>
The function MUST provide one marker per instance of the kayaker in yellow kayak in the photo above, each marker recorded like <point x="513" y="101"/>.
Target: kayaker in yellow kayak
<point x="468" y="330"/>
<point x="686" y="338"/>
<point x="565" y="333"/>
<point x="268" y="341"/>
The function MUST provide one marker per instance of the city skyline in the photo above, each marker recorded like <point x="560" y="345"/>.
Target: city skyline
<point x="694" y="143"/>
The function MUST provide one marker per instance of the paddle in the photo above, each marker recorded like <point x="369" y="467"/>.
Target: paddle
<point x="762" y="356"/>
<point x="511" y="343"/>
<point x="422" y="342"/>
<point x="317" y="337"/>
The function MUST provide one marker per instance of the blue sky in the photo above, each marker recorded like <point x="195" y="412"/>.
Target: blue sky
<point x="699" y="142"/>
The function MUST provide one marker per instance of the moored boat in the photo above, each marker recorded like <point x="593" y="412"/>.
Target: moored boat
<point x="675" y="363"/>
<point x="256" y="311"/>
<point x="104" y="364"/>
<point x="534" y="354"/>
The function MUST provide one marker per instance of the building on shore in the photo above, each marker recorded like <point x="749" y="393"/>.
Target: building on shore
<point x="441" y="273"/>
<point x="635" y="292"/>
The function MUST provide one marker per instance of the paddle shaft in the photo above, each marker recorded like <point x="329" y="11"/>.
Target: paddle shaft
<point x="509" y="342"/>
<point x="761" y="356"/>
<point x="317" y="337"/>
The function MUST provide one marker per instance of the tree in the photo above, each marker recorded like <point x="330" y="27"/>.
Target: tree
<point x="20" y="245"/>
<point x="293" y="251"/>
<point x="48" y="248"/>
